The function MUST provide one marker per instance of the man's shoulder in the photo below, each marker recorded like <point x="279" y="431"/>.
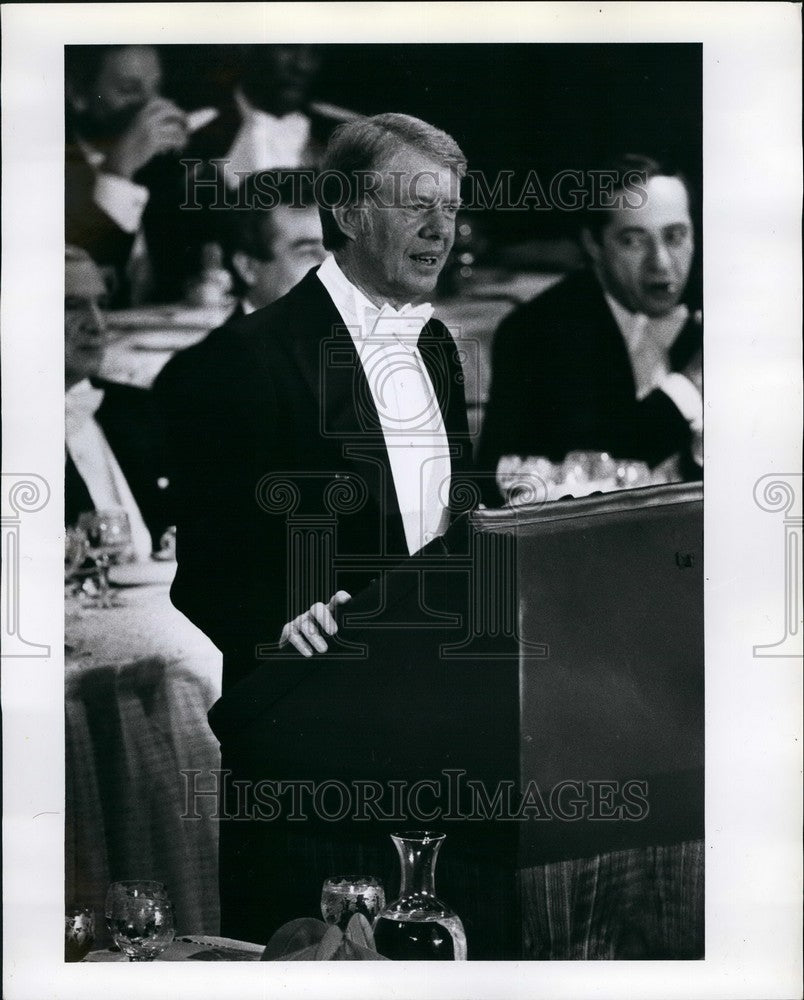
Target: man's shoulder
<point x="577" y="297"/>
<point x="248" y="343"/>
<point x="573" y="290"/>
<point x="118" y="398"/>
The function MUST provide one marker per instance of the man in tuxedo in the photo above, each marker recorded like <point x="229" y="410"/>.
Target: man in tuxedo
<point x="111" y="457"/>
<point x="610" y="359"/>
<point x="268" y="121"/>
<point x="123" y="181"/>
<point x="316" y="442"/>
<point x="270" y="249"/>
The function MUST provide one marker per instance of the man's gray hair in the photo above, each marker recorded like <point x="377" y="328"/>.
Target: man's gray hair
<point x="364" y="145"/>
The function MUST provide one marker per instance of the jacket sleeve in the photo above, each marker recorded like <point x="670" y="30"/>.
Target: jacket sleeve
<point x="220" y="418"/>
<point x="88" y="226"/>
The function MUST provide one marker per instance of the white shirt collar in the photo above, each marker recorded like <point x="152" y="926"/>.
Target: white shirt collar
<point x="249" y="111"/>
<point x="357" y="310"/>
<point x="662" y="329"/>
<point x="81" y="403"/>
<point x="648" y="342"/>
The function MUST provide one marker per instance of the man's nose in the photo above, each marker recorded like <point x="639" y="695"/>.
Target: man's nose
<point x="94" y="324"/>
<point x="659" y="258"/>
<point x="437" y="225"/>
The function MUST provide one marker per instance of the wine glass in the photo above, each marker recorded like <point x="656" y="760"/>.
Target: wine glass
<point x="139" y="916"/>
<point x="79" y="931"/>
<point x="108" y="535"/>
<point x="76" y="547"/>
<point x="345" y="895"/>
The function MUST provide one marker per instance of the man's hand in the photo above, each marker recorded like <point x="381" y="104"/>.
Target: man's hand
<point x="306" y="632"/>
<point x="159" y="127"/>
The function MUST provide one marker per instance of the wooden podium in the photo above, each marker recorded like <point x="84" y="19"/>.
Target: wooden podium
<point x="536" y="692"/>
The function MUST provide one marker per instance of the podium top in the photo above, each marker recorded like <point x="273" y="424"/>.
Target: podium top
<point x="617" y="502"/>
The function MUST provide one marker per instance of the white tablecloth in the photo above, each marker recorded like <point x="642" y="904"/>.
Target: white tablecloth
<point x="139" y="682"/>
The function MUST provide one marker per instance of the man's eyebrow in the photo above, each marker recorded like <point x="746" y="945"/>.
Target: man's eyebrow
<point x="305" y="241"/>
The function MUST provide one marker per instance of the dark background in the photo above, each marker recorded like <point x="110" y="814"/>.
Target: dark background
<point x="510" y="106"/>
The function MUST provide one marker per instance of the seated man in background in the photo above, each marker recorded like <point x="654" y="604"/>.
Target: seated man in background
<point x="269" y="250"/>
<point x="123" y="182"/>
<point x="111" y="459"/>
<point x="268" y="121"/>
<point x="610" y="359"/>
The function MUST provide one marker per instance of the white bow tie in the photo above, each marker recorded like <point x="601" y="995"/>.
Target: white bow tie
<point x="81" y="403"/>
<point x="294" y="125"/>
<point x="405" y="324"/>
<point x="662" y="330"/>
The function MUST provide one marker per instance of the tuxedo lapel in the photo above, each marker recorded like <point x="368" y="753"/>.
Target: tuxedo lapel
<point x="326" y="358"/>
<point x="608" y="353"/>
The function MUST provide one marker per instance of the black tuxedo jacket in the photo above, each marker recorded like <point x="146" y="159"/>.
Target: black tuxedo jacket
<point x="128" y="420"/>
<point x="562" y="380"/>
<point x="276" y="449"/>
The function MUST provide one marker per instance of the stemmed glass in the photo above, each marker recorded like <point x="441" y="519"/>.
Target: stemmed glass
<point x="108" y="534"/>
<point x="345" y="895"/>
<point x="139" y="916"/>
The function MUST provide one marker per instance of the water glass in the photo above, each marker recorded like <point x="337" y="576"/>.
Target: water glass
<point x="139" y="916"/>
<point x="345" y="895"/>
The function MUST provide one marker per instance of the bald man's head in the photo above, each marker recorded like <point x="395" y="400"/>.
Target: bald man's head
<point x="84" y="327"/>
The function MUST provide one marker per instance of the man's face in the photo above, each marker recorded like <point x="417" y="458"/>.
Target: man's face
<point x="127" y="80"/>
<point x="84" y="328"/>
<point x="407" y="228"/>
<point x="279" y="77"/>
<point x="645" y="254"/>
<point x="296" y="244"/>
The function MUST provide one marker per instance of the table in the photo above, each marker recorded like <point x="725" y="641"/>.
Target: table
<point x="193" y="948"/>
<point x="139" y="681"/>
<point x="143" y="340"/>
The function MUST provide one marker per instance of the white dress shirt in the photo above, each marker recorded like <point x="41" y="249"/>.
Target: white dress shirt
<point x="410" y="417"/>
<point x="121" y="199"/>
<point x="265" y="142"/>
<point x="96" y="463"/>
<point x="648" y="341"/>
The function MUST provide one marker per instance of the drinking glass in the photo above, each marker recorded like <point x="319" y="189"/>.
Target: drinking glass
<point x="345" y="895"/>
<point x="79" y="931"/>
<point x="108" y="534"/>
<point x="76" y="547"/>
<point x="139" y="916"/>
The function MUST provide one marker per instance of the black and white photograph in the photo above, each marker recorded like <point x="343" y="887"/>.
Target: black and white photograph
<point x="407" y="389"/>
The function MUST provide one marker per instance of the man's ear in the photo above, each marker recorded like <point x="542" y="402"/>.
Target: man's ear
<point x="590" y="245"/>
<point x="348" y="219"/>
<point x="245" y="266"/>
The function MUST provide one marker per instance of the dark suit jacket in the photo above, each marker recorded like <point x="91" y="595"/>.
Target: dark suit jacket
<point x="172" y="235"/>
<point x="562" y="380"/>
<point x="271" y="421"/>
<point x="128" y="420"/>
